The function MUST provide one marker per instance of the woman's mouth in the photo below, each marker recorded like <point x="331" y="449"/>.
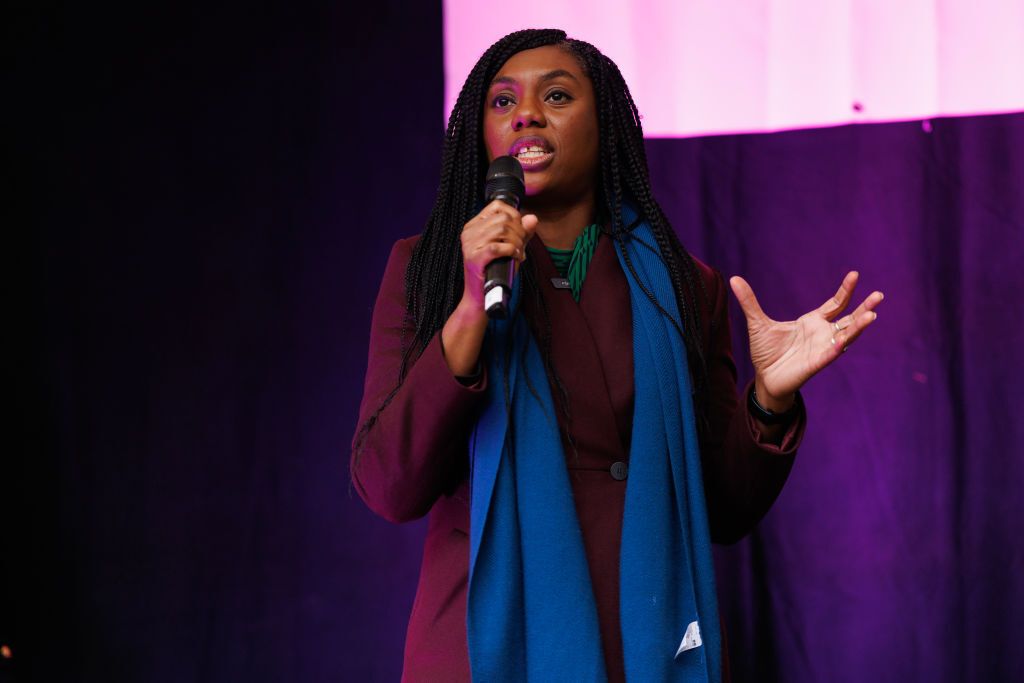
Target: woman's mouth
<point x="533" y="153"/>
<point x="534" y="158"/>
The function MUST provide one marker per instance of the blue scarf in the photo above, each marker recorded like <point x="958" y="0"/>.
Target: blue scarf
<point x="531" y="611"/>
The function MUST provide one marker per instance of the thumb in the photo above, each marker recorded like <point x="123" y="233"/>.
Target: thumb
<point x="745" y="296"/>
<point x="530" y="223"/>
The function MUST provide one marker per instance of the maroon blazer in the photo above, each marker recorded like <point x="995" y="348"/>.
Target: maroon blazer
<point x="414" y="460"/>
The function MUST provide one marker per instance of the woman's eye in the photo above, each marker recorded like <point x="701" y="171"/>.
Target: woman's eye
<point x="559" y="96"/>
<point x="502" y="101"/>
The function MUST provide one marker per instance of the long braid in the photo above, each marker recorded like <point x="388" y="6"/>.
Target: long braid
<point x="625" y="177"/>
<point x="433" y="278"/>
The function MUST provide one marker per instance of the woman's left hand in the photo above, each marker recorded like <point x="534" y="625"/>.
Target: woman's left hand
<point x="787" y="354"/>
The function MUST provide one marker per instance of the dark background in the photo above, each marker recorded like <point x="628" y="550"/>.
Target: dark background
<point x="202" y="200"/>
<point x="206" y="198"/>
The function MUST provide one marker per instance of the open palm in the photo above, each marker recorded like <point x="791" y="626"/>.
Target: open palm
<point x="786" y="354"/>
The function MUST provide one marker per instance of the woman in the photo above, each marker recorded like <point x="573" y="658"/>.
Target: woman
<point x="571" y="520"/>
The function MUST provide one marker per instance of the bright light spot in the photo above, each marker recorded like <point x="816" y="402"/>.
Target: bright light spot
<point x="728" y="66"/>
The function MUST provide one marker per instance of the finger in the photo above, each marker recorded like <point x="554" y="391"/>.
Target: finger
<point x="493" y="250"/>
<point x="745" y="296"/>
<point x="496" y="234"/>
<point x="869" y="304"/>
<point x="841" y="299"/>
<point x="844" y="338"/>
<point x="502" y="227"/>
<point x="500" y="208"/>
<point x="502" y="231"/>
<point x="488" y="251"/>
<point x="495" y="208"/>
<point x="498" y="228"/>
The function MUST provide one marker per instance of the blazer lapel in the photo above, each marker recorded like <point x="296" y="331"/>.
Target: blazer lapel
<point x="579" y="358"/>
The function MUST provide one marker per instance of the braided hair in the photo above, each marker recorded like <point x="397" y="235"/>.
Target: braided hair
<point x="433" y="278"/>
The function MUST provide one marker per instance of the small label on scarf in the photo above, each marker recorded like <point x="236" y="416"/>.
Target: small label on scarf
<point x="691" y="639"/>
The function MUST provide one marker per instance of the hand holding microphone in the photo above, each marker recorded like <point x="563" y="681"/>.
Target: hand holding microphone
<point x="495" y="239"/>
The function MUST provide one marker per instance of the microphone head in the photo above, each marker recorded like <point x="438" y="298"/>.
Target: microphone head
<point x="505" y="181"/>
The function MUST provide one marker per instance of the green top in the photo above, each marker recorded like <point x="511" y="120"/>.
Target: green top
<point x="572" y="263"/>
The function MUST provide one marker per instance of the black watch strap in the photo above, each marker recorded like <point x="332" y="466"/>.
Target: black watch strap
<point x="765" y="416"/>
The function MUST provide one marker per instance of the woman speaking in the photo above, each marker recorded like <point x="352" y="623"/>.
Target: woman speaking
<point x="578" y="457"/>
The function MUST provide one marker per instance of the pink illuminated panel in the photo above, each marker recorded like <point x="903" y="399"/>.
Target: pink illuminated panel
<point x="714" y="66"/>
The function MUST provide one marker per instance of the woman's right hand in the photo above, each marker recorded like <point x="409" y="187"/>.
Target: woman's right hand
<point x="497" y="231"/>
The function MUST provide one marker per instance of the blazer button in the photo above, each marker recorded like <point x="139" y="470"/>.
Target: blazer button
<point x="619" y="470"/>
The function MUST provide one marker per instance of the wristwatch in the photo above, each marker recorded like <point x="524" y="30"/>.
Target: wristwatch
<point x="765" y="416"/>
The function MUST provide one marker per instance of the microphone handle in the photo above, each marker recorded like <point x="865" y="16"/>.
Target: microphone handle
<point x="499" y="273"/>
<point x="498" y="287"/>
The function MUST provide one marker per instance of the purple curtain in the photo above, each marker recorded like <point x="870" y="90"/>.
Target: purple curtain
<point x="204" y="201"/>
<point x="896" y="550"/>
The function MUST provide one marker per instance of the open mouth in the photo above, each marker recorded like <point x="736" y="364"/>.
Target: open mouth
<point x="533" y="153"/>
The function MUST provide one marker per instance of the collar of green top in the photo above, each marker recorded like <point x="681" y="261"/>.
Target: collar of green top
<point x="572" y="263"/>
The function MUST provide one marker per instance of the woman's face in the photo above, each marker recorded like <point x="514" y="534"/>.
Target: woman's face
<point x="540" y="109"/>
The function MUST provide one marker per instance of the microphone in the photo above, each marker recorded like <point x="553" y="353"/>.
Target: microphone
<point x="505" y="182"/>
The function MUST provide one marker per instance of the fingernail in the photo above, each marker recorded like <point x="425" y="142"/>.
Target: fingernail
<point x="873" y="315"/>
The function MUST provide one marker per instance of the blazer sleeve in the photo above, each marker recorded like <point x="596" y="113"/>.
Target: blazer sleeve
<point x="415" y="449"/>
<point x="743" y="473"/>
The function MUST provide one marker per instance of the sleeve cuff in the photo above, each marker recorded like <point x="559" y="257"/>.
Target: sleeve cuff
<point x="791" y="438"/>
<point x="476" y="382"/>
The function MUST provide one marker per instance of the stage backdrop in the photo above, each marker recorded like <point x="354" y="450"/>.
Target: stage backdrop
<point x="205" y="204"/>
<point x="895" y="551"/>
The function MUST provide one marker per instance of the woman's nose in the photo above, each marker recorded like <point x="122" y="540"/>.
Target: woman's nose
<point x="528" y="114"/>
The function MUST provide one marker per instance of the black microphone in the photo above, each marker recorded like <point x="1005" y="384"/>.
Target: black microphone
<point x="505" y="182"/>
